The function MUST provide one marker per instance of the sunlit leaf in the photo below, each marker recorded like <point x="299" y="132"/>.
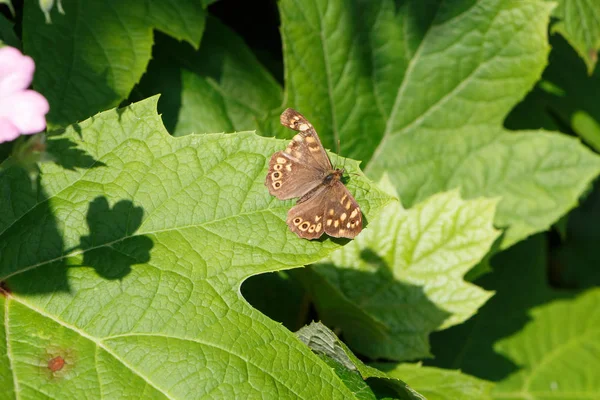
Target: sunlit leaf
<point x="128" y="266"/>
<point x="402" y="278"/>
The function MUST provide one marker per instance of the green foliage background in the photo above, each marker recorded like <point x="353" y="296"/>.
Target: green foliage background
<point x="146" y="253"/>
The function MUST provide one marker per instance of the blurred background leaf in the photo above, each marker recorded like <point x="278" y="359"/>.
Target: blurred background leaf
<point x="533" y="340"/>
<point x="221" y="87"/>
<point x="579" y="23"/>
<point x="401" y="279"/>
<point x="419" y="89"/>
<point x="89" y="58"/>
<point x="437" y="383"/>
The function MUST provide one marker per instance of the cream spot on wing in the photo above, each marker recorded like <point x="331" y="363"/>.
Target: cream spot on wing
<point x="276" y="175"/>
<point x="310" y="139"/>
<point x="329" y="221"/>
<point x="303" y="127"/>
<point x="318" y="218"/>
<point x="318" y="228"/>
<point x="298" y="138"/>
<point x="277" y="167"/>
<point x="277" y="184"/>
<point x="343" y="199"/>
<point x="312" y="228"/>
<point x="304" y="226"/>
<point x="354" y="213"/>
<point x="288" y="167"/>
<point x="342" y="231"/>
<point x="331" y="212"/>
<point x="313" y="149"/>
<point x="343" y="216"/>
<point x="281" y="160"/>
<point x="348" y="204"/>
<point x="336" y="223"/>
<point x="297" y="221"/>
<point x="348" y="225"/>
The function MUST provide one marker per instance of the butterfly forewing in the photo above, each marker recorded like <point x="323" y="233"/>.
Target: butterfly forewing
<point x="343" y="217"/>
<point x="302" y="165"/>
<point x="306" y="146"/>
<point x="288" y="178"/>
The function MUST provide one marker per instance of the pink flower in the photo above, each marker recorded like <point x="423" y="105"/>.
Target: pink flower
<point x="22" y="111"/>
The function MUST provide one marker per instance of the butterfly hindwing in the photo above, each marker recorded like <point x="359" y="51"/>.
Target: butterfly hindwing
<point x="306" y="219"/>
<point x="342" y="217"/>
<point x="331" y="209"/>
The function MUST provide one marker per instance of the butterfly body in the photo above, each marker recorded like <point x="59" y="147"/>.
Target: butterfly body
<point x="332" y="176"/>
<point x="304" y="170"/>
<point x="330" y="179"/>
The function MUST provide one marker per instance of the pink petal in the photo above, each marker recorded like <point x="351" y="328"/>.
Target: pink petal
<point x="16" y="71"/>
<point x="26" y="110"/>
<point x="8" y="131"/>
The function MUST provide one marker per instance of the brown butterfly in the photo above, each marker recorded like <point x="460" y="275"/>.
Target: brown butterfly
<point x="304" y="170"/>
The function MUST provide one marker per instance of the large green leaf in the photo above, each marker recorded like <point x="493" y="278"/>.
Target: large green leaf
<point x="402" y="278"/>
<point x="127" y="266"/>
<point x="565" y="98"/>
<point x="90" y="58"/>
<point x="534" y="341"/>
<point x="557" y="353"/>
<point x="579" y="23"/>
<point x="220" y="87"/>
<point x="423" y="87"/>
<point x="439" y="384"/>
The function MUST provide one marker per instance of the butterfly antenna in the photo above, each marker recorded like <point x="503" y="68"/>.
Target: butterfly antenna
<point x="344" y="164"/>
<point x="338" y="154"/>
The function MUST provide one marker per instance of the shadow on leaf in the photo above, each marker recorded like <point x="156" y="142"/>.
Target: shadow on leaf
<point x="29" y="236"/>
<point x="110" y="248"/>
<point x="65" y="153"/>
<point x="520" y="280"/>
<point x="377" y="315"/>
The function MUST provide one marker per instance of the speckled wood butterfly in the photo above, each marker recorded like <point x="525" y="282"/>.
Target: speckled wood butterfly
<point x="304" y="170"/>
